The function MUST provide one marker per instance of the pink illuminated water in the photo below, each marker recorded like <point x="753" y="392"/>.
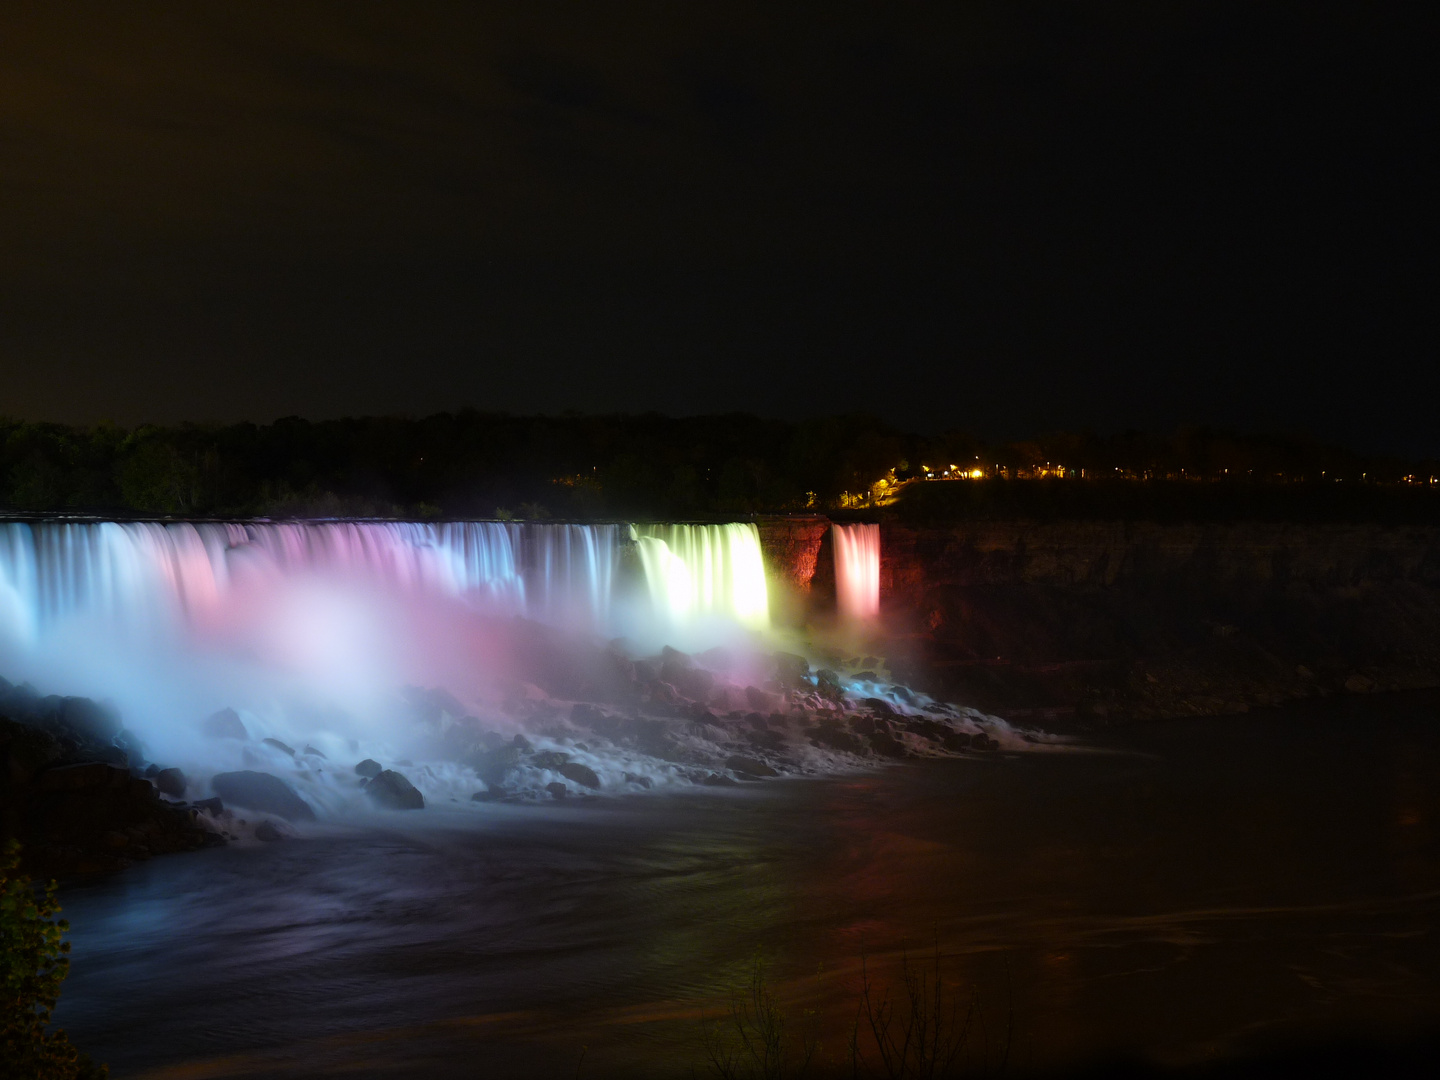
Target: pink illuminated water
<point x="857" y="570"/>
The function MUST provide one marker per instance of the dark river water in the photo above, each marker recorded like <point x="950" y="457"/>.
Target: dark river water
<point x="1200" y="890"/>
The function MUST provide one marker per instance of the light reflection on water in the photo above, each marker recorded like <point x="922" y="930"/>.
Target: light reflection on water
<point x="1217" y="885"/>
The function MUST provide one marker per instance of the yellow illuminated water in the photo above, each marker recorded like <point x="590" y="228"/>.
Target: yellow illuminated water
<point x="695" y="571"/>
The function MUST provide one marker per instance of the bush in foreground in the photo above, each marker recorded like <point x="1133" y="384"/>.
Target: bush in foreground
<point x="33" y="964"/>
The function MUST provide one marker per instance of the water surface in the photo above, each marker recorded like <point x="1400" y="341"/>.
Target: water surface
<point x="1206" y="889"/>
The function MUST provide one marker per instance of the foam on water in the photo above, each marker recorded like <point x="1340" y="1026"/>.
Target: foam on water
<point x="432" y="647"/>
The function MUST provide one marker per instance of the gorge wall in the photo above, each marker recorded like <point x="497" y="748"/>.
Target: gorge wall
<point x="1114" y="621"/>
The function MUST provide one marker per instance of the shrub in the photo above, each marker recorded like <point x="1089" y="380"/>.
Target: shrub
<point x="33" y="964"/>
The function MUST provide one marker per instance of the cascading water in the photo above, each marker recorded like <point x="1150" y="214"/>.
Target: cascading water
<point x="857" y="571"/>
<point x="700" y="573"/>
<point x="437" y="643"/>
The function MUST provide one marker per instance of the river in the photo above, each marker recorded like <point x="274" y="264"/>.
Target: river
<point x="1173" y="894"/>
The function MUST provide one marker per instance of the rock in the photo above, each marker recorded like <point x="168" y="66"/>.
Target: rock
<point x="695" y="683"/>
<point x="548" y="759"/>
<point x="521" y="743"/>
<point x="716" y="780"/>
<point x="90" y="719"/>
<point x="749" y="765"/>
<point x="151" y="771"/>
<point x="225" y="724"/>
<point x="212" y="806"/>
<point x="488" y="795"/>
<point x="956" y="740"/>
<point x="761" y="701"/>
<point x="886" y="745"/>
<point x="791" y="669"/>
<point x="267" y="831"/>
<point x="766" y="740"/>
<point x="557" y="790"/>
<point x="585" y="715"/>
<point x="836" y="739"/>
<point x="867" y="676"/>
<point x="579" y="774"/>
<point x="395" y="792"/>
<point x="1359" y="684"/>
<point x="261" y="791"/>
<point x="170" y="782"/>
<point x="278" y="745"/>
<point x="369" y="768"/>
<point x="493" y="766"/>
<point x="827" y="683"/>
<point x="25" y="751"/>
<point x="93" y="774"/>
<point x="635" y="778"/>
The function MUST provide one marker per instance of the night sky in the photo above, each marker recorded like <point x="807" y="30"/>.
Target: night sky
<point x="1005" y="217"/>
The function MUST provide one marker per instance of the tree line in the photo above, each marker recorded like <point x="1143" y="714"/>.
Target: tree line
<point x="474" y="464"/>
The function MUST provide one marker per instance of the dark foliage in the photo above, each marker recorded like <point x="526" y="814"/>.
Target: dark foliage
<point x="472" y="464"/>
<point x="33" y="963"/>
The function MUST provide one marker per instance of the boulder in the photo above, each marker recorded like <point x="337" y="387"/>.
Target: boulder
<point x="762" y="701"/>
<point x="212" y="806"/>
<point x="369" y="768"/>
<point x="394" y="792"/>
<point x="886" y="745"/>
<point x="548" y="759"/>
<point x="267" y="831"/>
<point x="749" y="765"/>
<point x="493" y="766"/>
<point x="579" y="774"/>
<point x="637" y="779"/>
<point x="225" y="724"/>
<point x="170" y="782"/>
<point x="827" y="682"/>
<point x="557" y="790"/>
<point x="311" y="750"/>
<point x="91" y="774"/>
<point x="263" y="792"/>
<point x="791" y="669"/>
<point x="278" y="745"/>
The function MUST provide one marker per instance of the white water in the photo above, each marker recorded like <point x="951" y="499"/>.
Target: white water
<point x="287" y="621"/>
<point x="857" y="570"/>
<point x="409" y="642"/>
<point x="702" y="576"/>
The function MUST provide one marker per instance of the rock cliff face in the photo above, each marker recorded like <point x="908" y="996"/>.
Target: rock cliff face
<point x="1108" y="621"/>
<point x="792" y="548"/>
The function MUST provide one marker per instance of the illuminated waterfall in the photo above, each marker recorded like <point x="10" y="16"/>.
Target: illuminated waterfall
<point x="857" y="570"/>
<point x="700" y="572"/>
<point x="143" y="572"/>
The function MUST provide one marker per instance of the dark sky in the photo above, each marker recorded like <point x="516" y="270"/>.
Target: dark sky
<point x="1008" y="217"/>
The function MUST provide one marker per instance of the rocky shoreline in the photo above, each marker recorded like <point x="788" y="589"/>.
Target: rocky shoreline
<point x="76" y="794"/>
<point x="1092" y="623"/>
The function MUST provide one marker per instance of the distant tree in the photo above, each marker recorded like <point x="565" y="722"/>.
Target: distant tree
<point x="33" y="964"/>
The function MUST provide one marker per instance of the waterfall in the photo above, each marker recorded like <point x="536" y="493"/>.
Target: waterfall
<point x="857" y="570"/>
<point x="143" y="571"/>
<point x="702" y="572"/>
<point x="147" y="573"/>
